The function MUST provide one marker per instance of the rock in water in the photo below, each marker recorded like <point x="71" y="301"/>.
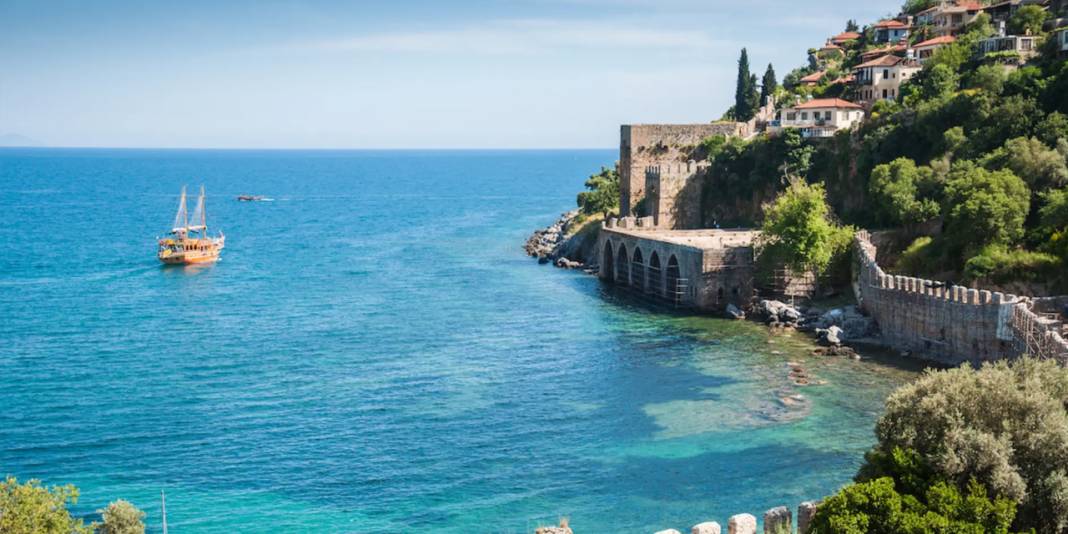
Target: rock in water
<point x="564" y="528"/>
<point x="805" y="513"/>
<point x="741" y="524"/>
<point x="831" y="337"/>
<point x="734" y="312"/>
<point x="778" y="521"/>
<point x="709" y="527"/>
<point x="669" y="531"/>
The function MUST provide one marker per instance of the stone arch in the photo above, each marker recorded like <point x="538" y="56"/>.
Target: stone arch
<point x="622" y="265"/>
<point x="672" y="276"/>
<point x="656" y="280"/>
<point x="608" y="268"/>
<point x="637" y="269"/>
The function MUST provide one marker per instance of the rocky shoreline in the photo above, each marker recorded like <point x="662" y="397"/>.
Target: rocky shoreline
<point x="560" y="243"/>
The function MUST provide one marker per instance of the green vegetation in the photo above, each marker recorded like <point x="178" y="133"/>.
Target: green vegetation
<point x="122" y="517"/>
<point x="746" y="97"/>
<point x="30" y="508"/>
<point x="972" y="152"/>
<point x="602" y="193"/>
<point x="769" y="85"/>
<point x="798" y="231"/>
<point x="966" y="446"/>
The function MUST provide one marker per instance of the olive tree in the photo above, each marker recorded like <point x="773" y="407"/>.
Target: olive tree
<point x="30" y="508"/>
<point x="122" y="517"/>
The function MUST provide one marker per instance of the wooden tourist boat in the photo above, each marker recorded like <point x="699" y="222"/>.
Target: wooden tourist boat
<point x="190" y="243"/>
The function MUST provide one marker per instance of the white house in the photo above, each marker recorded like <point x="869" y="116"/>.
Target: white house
<point x="951" y="18"/>
<point x="1023" y="45"/>
<point x="923" y="51"/>
<point x="820" y="118"/>
<point x="890" y="31"/>
<point x="881" y="78"/>
<point x="1062" y="37"/>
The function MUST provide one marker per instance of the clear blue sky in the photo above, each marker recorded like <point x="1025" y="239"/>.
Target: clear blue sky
<point x="389" y="74"/>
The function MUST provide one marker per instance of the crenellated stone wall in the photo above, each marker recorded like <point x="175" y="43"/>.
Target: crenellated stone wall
<point x="673" y="193"/>
<point x="952" y="324"/>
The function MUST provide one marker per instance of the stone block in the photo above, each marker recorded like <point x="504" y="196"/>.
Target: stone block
<point x="742" y="524"/>
<point x="778" y="520"/>
<point x="984" y="297"/>
<point x="973" y="296"/>
<point x="708" y="527"/>
<point x="805" y="513"/>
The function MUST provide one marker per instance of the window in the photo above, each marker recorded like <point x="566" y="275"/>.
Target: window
<point x="827" y="115"/>
<point x="804" y="115"/>
<point x="884" y="93"/>
<point x="886" y="74"/>
<point x="791" y="116"/>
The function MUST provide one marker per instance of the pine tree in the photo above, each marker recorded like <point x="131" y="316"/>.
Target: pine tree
<point x="743" y="110"/>
<point x="769" y="85"/>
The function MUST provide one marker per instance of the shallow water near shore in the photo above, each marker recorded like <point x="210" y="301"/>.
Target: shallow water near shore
<point x="374" y="353"/>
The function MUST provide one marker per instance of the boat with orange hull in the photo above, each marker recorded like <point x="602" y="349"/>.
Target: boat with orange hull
<point x="190" y="244"/>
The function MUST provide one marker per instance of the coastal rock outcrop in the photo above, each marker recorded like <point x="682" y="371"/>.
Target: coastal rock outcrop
<point x="564" y="528"/>
<point x="566" y="243"/>
<point x="806" y="512"/>
<point x="777" y="313"/>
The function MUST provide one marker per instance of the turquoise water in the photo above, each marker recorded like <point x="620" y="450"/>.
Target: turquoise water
<point x="374" y="353"/>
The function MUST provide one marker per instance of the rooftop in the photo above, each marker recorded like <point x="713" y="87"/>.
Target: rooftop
<point x="888" y="60"/>
<point x="828" y="103"/>
<point x="891" y="24"/>
<point x="707" y="239"/>
<point x="845" y="36"/>
<point x="936" y="41"/>
<point x="815" y="77"/>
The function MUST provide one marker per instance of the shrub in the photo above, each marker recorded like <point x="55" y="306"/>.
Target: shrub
<point x="984" y="207"/>
<point x="31" y="508"/>
<point x="918" y="257"/>
<point x="798" y="229"/>
<point x="602" y="194"/>
<point x="1003" y="425"/>
<point x="896" y="187"/>
<point x="1001" y="265"/>
<point x="122" y="517"/>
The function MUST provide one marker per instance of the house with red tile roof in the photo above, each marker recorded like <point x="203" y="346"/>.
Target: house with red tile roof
<point x="881" y="78"/>
<point x="844" y="37"/>
<point x="890" y="31"/>
<point x="822" y="117"/>
<point x="924" y="50"/>
<point x="950" y="18"/>
<point x="812" y="80"/>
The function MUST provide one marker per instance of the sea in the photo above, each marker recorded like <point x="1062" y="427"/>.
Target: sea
<point x="375" y="353"/>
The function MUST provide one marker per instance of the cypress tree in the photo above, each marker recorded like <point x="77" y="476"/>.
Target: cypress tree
<point x="742" y="103"/>
<point x="769" y="85"/>
<point x="852" y="26"/>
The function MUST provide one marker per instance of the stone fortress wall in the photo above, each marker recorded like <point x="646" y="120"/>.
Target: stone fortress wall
<point x="953" y="324"/>
<point x="645" y="147"/>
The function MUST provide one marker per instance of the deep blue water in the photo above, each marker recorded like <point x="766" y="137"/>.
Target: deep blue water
<point x="374" y="353"/>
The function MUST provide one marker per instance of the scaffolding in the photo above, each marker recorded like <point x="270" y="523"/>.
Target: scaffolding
<point x="1041" y="336"/>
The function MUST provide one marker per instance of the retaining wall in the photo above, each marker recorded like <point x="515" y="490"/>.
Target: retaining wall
<point x="949" y="324"/>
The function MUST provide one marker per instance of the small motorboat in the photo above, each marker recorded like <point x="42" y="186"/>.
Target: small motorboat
<point x="250" y="198"/>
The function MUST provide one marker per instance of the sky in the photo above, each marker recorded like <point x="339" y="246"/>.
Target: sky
<point x="387" y="74"/>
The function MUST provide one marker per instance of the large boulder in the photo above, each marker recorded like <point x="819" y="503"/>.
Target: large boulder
<point x="831" y="337"/>
<point x="779" y="313"/>
<point x="734" y="312"/>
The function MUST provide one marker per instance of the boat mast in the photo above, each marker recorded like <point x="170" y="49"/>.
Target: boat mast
<point x="203" y="213"/>
<point x="181" y="219"/>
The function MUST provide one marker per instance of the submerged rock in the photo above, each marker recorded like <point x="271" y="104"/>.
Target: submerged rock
<point x="734" y="312"/>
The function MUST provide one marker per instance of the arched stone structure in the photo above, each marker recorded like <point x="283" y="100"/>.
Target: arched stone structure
<point x="684" y="267"/>
<point x="622" y="265"/>
<point x="608" y="268"/>
<point x="637" y="270"/>
<point x="674" y="290"/>
<point x="655" y="275"/>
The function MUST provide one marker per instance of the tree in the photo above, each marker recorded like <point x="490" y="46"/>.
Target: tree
<point x="122" y="517"/>
<point x="798" y="155"/>
<point x="798" y="230"/>
<point x="939" y="81"/>
<point x="896" y="187"/>
<point x="1053" y="217"/>
<point x="769" y="85"/>
<point x="602" y="194"/>
<point x="1040" y="166"/>
<point x="852" y="26"/>
<point x="745" y="92"/>
<point x="1052" y="128"/>
<point x="983" y="207"/>
<point x="1028" y="19"/>
<point x="31" y="508"/>
<point x="989" y="78"/>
